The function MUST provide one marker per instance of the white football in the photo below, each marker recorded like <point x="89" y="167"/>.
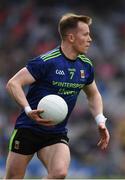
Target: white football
<point x="54" y="107"/>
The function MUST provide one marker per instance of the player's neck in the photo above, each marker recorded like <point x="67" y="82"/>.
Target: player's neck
<point x="68" y="51"/>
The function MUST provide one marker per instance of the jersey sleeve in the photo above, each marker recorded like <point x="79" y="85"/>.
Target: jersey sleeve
<point x="90" y="77"/>
<point x="36" y="67"/>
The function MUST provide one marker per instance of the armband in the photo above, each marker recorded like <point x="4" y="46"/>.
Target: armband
<point x="100" y="118"/>
<point x="27" y="109"/>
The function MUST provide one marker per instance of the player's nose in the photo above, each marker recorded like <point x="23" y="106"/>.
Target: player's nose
<point x="89" y="39"/>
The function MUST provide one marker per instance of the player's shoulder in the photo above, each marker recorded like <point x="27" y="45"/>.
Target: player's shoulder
<point x="47" y="58"/>
<point x="85" y="59"/>
<point x="53" y="54"/>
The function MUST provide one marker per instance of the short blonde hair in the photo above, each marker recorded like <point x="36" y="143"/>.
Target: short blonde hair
<point x="69" y="21"/>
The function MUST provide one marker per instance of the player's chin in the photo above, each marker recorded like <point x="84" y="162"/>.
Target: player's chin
<point x="84" y="50"/>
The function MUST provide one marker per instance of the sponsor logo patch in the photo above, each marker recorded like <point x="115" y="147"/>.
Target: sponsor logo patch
<point x="60" y="72"/>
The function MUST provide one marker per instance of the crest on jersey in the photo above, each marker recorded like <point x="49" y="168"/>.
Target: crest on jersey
<point x="82" y="73"/>
<point x="17" y="145"/>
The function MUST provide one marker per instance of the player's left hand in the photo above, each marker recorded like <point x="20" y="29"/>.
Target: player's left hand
<point x="104" y="133"/>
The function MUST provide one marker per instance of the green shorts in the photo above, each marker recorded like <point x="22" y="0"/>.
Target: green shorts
<point x="27" y="141"/>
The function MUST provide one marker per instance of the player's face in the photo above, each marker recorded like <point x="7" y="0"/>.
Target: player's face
<point x="82" y="38"/>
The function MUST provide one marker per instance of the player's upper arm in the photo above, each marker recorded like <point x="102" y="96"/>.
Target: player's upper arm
<point x="23" y="77"/>
<point x="91" y="89"/>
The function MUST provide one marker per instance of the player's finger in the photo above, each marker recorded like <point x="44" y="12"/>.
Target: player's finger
<point x="102" y="144"/>
<point x="48" y="123"/>
<point x="45" y="121"/>
<point x="99" y="143"/>
<point x="40" y="111"/>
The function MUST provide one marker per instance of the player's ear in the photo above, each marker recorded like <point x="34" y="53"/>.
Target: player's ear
<point x="71" y="37"/>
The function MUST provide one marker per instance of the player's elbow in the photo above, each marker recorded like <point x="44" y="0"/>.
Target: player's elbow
<point x="10" y="84"/>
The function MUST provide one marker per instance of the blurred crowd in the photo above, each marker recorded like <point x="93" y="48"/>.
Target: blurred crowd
<point x="29" y="28"/>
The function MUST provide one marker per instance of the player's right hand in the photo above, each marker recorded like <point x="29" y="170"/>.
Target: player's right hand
<point x="105" y="136"/>
<point x="36" y="116"/>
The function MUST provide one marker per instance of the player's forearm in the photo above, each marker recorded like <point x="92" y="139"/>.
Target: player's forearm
<point x="95" y="104"/>
<point x="17" y="93"/>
